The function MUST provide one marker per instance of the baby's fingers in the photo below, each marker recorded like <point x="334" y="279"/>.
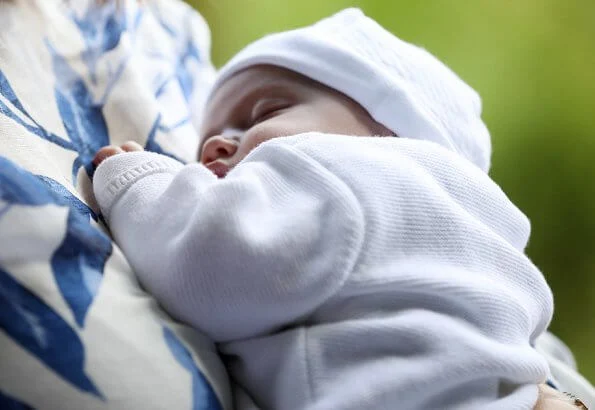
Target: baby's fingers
<point x="111" y="150"/>
<point x="106" y="152"/>
<point x="550" y="399"/>
<point x="131" y="146"/>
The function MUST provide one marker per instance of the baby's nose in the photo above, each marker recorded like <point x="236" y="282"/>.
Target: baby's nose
<point x="218" y="147"/>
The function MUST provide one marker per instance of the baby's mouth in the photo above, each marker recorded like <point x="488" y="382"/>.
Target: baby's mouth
<point x="218" y="168"/>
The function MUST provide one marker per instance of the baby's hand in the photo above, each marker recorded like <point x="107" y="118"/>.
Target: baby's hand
<point x="110" y="150"/>
<point x="550" y="399"/>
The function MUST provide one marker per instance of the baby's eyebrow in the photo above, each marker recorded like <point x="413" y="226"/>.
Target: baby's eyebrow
<point x="273" y="87"/>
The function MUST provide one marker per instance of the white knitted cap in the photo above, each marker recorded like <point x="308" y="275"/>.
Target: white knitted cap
<point x="402" y="86"/>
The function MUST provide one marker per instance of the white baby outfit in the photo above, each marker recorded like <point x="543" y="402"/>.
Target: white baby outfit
<point x="341" y="272"/>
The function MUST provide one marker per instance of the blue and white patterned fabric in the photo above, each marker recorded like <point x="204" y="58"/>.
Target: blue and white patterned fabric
<point x="76" y="330"/>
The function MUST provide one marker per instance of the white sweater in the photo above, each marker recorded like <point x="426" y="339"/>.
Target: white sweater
<point x="341" y="272"/>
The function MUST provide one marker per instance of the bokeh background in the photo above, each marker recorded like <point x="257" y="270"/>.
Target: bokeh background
<point x="533" y="62"/>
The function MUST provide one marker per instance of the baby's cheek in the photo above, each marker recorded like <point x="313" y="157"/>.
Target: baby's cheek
<point x="268" y="130"/>
<point x="284" y="125"/>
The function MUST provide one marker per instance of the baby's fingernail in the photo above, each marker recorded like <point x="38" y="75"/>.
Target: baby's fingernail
<point x="130" y="146"/>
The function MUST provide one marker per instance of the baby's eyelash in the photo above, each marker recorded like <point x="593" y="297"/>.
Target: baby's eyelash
<point x="264" y="108"/>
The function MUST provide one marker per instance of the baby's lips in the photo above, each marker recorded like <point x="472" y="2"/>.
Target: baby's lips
<point x="218" y="168"/>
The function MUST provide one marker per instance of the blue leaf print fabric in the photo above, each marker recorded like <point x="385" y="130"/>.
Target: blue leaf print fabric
<point x="184" y="77"/>
<point x="78" y="262"/>
<point x="8" y="403"/>
<point x="102" y="29"/>
<point x="201" y="391"/>
<point x="76" y="330"/>
<point x="41" y="331"/>
<point x="17" y="115"/>
<point x="82" y="117"/>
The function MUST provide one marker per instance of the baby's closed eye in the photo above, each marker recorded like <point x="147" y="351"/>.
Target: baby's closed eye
<point x="266" y="108"/>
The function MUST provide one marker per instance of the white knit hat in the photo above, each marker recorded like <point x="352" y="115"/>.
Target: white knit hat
<point x="402" y="86"/>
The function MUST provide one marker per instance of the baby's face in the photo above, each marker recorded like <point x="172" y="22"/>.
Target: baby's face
<point x="265" y="102"/>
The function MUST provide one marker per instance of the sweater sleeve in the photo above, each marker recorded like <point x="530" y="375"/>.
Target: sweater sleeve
<point x="234" y="257"/>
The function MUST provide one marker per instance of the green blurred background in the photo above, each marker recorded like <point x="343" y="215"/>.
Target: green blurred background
<point x="533" y="62"/>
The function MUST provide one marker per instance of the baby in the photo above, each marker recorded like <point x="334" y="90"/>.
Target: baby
<point x="334" y="268"/>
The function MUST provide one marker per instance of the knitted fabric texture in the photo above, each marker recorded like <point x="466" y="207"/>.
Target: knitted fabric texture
<point x="389" y="265"/>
